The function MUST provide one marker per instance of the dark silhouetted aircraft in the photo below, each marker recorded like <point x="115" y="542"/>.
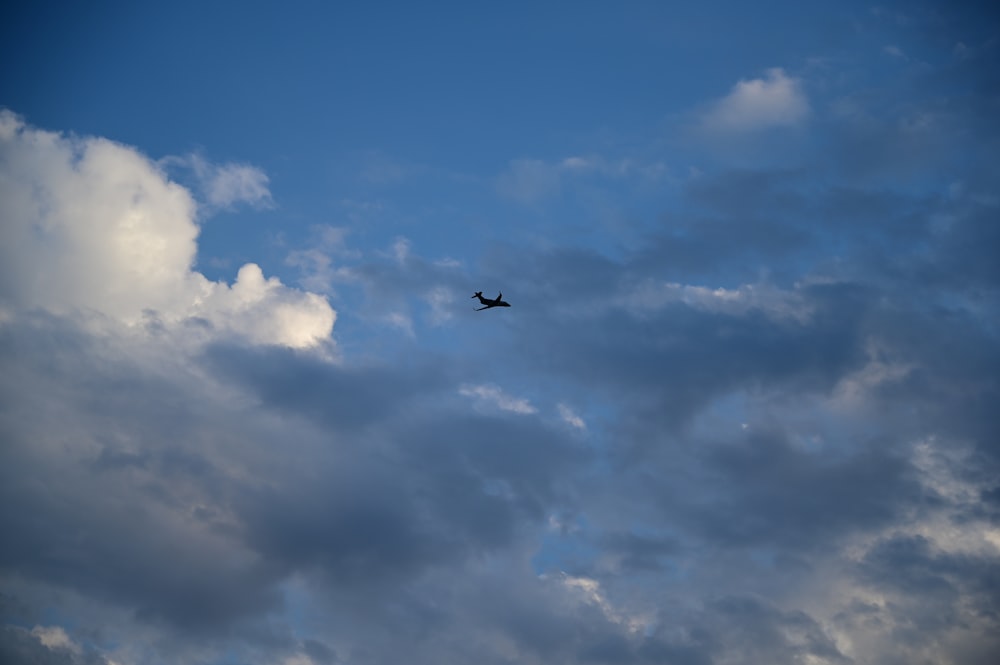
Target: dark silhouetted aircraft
<point x="489" y="303"/>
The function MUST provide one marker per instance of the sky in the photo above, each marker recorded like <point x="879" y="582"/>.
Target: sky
<point x="741" y="410"/>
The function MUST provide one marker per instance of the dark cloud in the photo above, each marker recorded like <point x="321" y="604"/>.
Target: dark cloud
<point x="320" y="652"/>
<point x="779" y="495"/>
<point x="913" y="567"/>
<point x="638" y="552"/>
<point x="150" y="511"/>
<point x="343" y="398"/>
<point x="665" y="367"/>
<point x="760" y="632"/>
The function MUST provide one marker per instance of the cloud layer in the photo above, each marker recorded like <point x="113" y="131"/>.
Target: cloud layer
<point x="759" y="429"/>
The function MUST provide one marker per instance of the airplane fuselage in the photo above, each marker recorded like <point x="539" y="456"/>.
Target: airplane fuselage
<point x="488" y="303"/>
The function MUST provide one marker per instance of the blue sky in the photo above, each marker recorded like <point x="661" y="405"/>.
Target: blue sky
<point x="740" y="410"/>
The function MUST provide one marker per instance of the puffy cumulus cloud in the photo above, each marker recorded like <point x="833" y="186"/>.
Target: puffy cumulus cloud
<point x="265" y="311"/>
<point x="776" y="100"/>
<point x="94" y="226"/>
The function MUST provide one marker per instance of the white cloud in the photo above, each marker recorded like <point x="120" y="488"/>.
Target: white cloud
<point x="577" y="163"/>
<point x="773" y="101"/>
<point x="225" y="185"/>
<point x="779" y="304"/>
<point x="55" y="637"/>
<point x="570" y="417"/>
<point x="94" y="227"/>
<point x="267" y="312"/>
<point x="590" y="591"/>
<point x="401" y="249"/>
<point x="496" y="398"/>
<point x="441" y="301"/>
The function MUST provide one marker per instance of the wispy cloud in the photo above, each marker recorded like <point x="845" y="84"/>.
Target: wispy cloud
<point x="529" y="181"/>
<point x="493" y="396"/>
<point x="570" y="417"/>
<point x="765" y="298"/>
<point x="441" y="301"/>
<point x="225" y="186"/>
<point x="894" y="51"/>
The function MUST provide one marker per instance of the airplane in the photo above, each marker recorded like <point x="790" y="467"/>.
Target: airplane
<point x="489" y="303"/>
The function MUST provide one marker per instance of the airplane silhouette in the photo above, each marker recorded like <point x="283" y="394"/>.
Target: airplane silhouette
<point x="489" y="303"/>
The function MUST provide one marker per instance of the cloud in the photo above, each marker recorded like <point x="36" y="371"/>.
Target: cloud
<point x="229" y="184"/>
<point x="776" y="100"/>
<point x="894" y="51"/>
<point x="193" y="499"/>
<point x="44" y="646"/>
<point x="223" y="186"/>
<point x="530" y="181"/>
<point x="94" y="227"/>
<point x="590" y="591"/>
<point x="494" y="396"/>
<point x="55" y="637"/>
<point x="441" y="301"/>
<point x="324" y="263"/>
<point x="570" y="417"/>
<point x="765" y="298"/>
